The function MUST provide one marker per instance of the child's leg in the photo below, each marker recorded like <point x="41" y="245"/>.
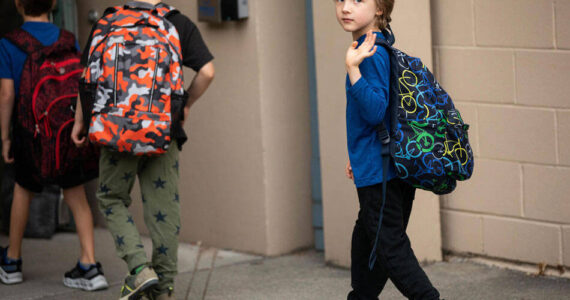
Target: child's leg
<point x="18" y="219"/>
<point x="366" y="284"/>
<point x="77" y="201"/>
<point x="116" y="179"/>
<point x="159" y="187"/>
<point x="394" y="250"/>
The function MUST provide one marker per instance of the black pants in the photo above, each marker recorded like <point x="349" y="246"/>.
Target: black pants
<point x="395" y="258"/>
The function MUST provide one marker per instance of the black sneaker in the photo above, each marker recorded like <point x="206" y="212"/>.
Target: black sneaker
<point x="10" y="271"/>
<point x="90" y="280"/>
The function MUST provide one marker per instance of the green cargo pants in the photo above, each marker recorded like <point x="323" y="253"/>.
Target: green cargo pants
<point x="158" y="178"/>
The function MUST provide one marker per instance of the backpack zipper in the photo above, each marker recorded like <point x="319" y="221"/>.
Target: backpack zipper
<point x="60" y="64"/>
<point x="58" y="142"/>
<point x="156" y="58"/>
<point x="45" y="115"/>
<point x="116" y="73"/>
<point x="37" y="90"/>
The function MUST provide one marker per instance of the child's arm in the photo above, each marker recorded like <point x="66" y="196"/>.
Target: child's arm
<point x="77" y="134"/>
<point x="368" y="92"/>
<point x="199" y="85"/>
<point x="7" y="95"/>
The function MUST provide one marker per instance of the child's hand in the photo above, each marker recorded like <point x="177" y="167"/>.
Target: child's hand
<point x="355" y="56"/>
<point x="6" y="144"/>
<point x="78" y="135"/>
<point x="348" y="171"/>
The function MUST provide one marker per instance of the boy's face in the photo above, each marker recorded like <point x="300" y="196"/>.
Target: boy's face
<point x="357" y="16"/>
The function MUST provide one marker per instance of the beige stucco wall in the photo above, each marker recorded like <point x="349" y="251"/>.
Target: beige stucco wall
<point x="340" y="203"/>
<point x="507" y="65"/>
<point x="245" y="172"/>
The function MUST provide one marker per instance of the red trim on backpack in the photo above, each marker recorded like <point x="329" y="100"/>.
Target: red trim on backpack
<point x="45" y="115"/>
<point x="60" y="64"/>
<point x="57" y="140"/>
<point x="37" y="90"/>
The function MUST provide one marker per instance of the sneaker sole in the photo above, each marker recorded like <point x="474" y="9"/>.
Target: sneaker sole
<point x="10" y="278"/>
<point x="137" y="293"/>
<point x="96" y="283"/>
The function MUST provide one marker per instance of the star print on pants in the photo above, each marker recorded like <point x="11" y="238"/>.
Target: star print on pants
<point x="127" y="177"/>
<point x="108" y="211"/>
<point x="159" y="183"/>
<point x="162" y="250"/>
<point x="160" y="217"/>
<point x="120" y="240"/>
<point x="104" y="189"/>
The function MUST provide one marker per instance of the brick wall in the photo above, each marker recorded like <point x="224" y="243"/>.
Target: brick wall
<point x="506" y="63"/>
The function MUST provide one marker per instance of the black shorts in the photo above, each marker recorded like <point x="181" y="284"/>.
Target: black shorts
<point x="27" y="175"/>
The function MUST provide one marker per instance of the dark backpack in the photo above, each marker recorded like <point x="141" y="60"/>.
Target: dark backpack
<point x="45" y="109"/>
<point x="428" y="142"/>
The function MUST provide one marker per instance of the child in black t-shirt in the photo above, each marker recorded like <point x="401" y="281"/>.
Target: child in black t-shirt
<point x="158" y="176"/>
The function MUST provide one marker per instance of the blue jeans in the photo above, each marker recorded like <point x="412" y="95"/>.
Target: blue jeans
<point x="395" y="257"/>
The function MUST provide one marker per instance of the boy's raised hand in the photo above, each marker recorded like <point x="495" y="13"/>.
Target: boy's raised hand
<point x="355" y="56"/>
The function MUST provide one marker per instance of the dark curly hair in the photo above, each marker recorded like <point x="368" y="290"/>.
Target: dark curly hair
<point x="386" y="7"/>
<point x="36" y="8"/>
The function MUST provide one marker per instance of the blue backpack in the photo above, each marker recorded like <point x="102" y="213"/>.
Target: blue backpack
<point x="428" y="142"/>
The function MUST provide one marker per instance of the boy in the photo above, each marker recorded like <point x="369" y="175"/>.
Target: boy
<point x="158" y="177"/>
<point x="367" y="90"/>
<point x="87" y="274"/>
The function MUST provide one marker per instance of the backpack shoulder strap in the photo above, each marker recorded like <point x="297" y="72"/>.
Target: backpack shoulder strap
<point x="165" y="10"/>
<point x="389" y="35"/>
<point x="24" y="40"/>
<point x="138" y="5"/>
<point x="111" y="10"/>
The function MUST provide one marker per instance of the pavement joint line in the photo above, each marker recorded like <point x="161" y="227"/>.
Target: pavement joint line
<point x="521" y="267"/>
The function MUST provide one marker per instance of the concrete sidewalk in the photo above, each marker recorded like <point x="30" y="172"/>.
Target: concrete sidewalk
<point x="241" y="276"/>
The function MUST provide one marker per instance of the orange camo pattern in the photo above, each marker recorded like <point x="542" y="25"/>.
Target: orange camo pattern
<point x="135" y="60"/>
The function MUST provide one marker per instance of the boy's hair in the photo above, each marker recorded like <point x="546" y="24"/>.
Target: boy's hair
<point x="36" y="8"/>
<point x="386" y="7"/>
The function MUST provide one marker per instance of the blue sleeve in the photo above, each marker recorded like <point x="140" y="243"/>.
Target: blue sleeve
<point x="77" y="46"/>
<point x="5" y="61"/>
<point x="371" y="91"/>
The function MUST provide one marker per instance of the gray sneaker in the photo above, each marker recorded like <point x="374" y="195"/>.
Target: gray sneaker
<point x="92" y="279"/>
<point x="136" y="286"/>
<point x="10" y="270"/>
<point x="166" y="294"/>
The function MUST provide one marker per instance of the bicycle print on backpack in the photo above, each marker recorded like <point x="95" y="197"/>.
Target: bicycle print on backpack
<point x="429" y="143"/>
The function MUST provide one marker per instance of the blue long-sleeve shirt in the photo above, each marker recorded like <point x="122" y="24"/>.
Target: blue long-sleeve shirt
<point x="366" y="107"/>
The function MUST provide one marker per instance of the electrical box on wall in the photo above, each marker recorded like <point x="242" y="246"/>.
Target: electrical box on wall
<point x="216" y="11"/>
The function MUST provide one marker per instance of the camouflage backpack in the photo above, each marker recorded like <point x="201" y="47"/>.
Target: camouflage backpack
<point x="134" y="83"/>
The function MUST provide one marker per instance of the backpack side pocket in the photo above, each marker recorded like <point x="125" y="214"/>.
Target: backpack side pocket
<point x="177" y="104"/>
<point x="87" y="93"/>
